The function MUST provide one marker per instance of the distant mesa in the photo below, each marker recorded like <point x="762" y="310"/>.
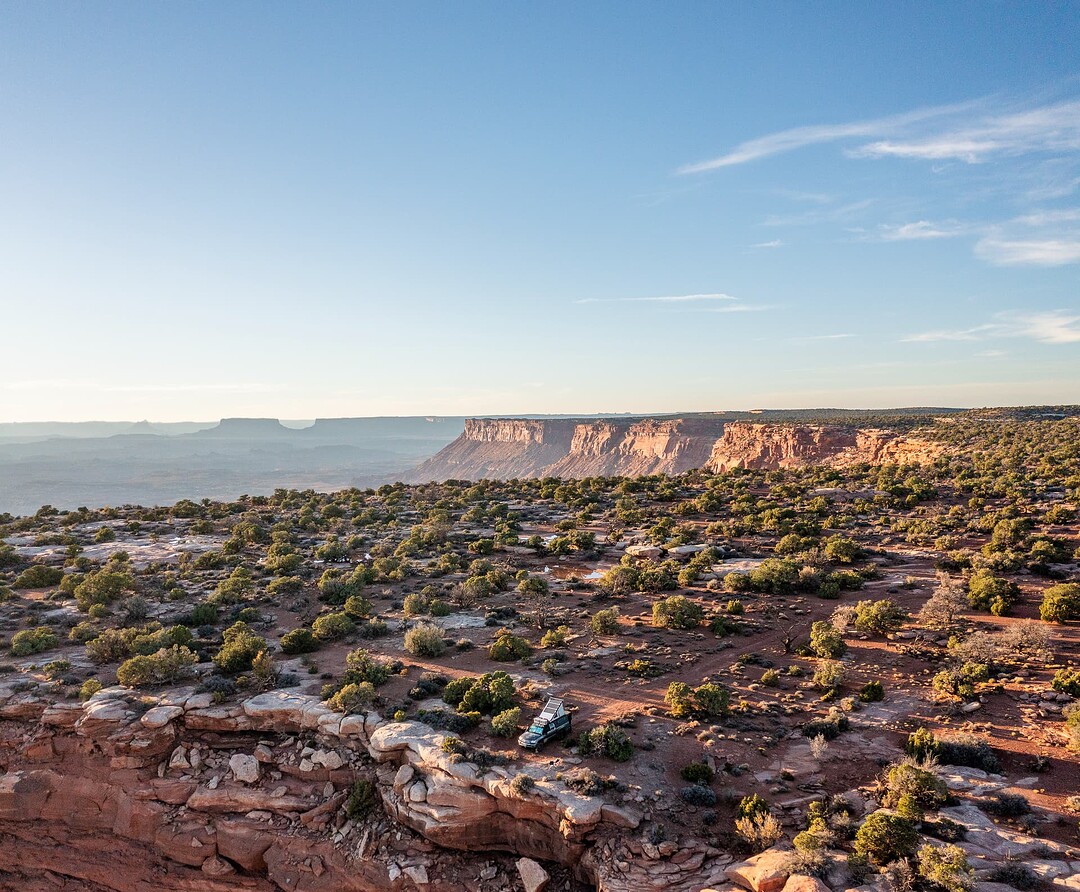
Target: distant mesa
<point x="247" y="427"/>
<point x="503" y="448"/>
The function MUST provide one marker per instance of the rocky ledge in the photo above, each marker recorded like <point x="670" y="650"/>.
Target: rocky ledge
<point x="175" y="792"/>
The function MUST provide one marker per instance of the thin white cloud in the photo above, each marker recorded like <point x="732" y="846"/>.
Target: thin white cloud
<point x="1049" y="217"/>
<point x="970" y="132"/>
<point x="775" y="243"/>
<point x="1051" y="128"/>
<point x="1046" y="327"/>
<point x="1029" y="252"/>
<point x="921" y="230"/>
<point x="667" y="299"/>
<point x="738" y="308"/>
<point x="800" y="137"/>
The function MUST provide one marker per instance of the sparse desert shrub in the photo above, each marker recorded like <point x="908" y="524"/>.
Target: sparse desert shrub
<point x="969" y="751"/>
<point x="299" y="641"/>
<point x="697" y="773"/>
<point x="677" y="612"/>
<point x="585" y="781"/>
<point x="960" y="681"/>
<point x="752" y="805"/>
<point x="829" y="726"/>
<point x="32" y="641"/>
<point x="353" y="698"/>
<point x="522" y="785"/>
<point x="1067" y="681"/>
<point x="885" y="838"/>
<point x="508" y="647"/>
<point x="698" y="795"/>
<point x="89" y="687"/>
<point x="1007" y="805"/>
<point x="239" y="648"/>
<point x="921" y="745"/>
<point x="1060" y="603"/>
<point x="770" y="678"/>
<point x="443" y="720"/>
<point x="759" y="831"/>
<point x="706" y="700"/>
<point x="1015" y="874"/>
<point x="555" y="637"/>
<point x="878" y="617"/>
<point x="828" y="677"/>
<point x="38" y="576"/>
<point x="826" y="641"/>
<point x="167" y="666"/>
<point x="361" y="665"/>
<point x="605" y="622"/>
<point x="332" y="626"/>
<point x="925" y="789"/>
<point x="872" y="692"/>
<point x="945" y="867"/>
<point x="357" y="607"/>
<point x="506" y="723"/>
<point x="606" y="740"/>
<point x="425" y="640"/>
<point x="362" y="800"/>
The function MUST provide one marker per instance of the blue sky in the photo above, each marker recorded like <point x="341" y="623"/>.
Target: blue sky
<point x="331" y="209"/>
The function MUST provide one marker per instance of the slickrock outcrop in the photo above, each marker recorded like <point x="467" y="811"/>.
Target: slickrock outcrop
<point x="177" y="793"/>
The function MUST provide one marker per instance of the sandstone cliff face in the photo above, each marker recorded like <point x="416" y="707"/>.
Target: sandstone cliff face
<point x="768" y="446"/>
<point x="177" y="794"/>
<point x="506" y="448"/>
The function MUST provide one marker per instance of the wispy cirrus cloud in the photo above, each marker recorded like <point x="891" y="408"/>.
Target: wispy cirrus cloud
<point x="775" y="243"/>
<point x="970" y="132"/>
<point x="1047" y="327"/>
<point x="716" y="302"/>
<point x="666" y="299"/>
<point x="918" y="231"/>
<point x="801" y="137"/>
<point x="1029" y="252"/>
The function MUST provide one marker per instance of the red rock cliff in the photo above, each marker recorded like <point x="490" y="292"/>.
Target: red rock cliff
<point x="506" y="448"/>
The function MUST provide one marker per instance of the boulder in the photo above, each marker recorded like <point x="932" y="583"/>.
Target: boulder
<point x="799" y="883"/>
<point x="244" y="768"/>
<point x="533" y="877"/>
<point x="762" y="873"/>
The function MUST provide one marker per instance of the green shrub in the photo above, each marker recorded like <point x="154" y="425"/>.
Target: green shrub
<point x="353" y="698"/>
<point x="884" y="838"/>
<point x="752" y="806"/>
<point x="826" y="640"/>
<point x="1067" y="681"/>
<point x="299" y="641"/>
<point x="921" y="744"/>
<point x="506" y="723"/>
<point x="239" y="649"/>
<point x="925" y="788"/>
<point x="968" y="751"/>
<point x="1060" y="603"/>
<point x="945" y="867"/>
<point x="872" y="692"/>
<point x="606" y="740"/>
<point x="698" y="795"/>
<point x="677" y="612"/>
<point x="32" y="641"/>
<point x="828" y="677"/>
<point x="555" y="637"/>
<point x="489" y="694"/>
<point x="357" y="607"/>
<point x="508" y="648"/>
<point x="332" y="626"/>
<point x="167" y="666"/>
<point x="989" y="592"/>
<point x="89" y="687"/>
<point x="878" y="617"/>
<point x="38" y="576"/>
<point x="605" y="622"/>
<point x="425" y="640"/>
<point x="362" y="801"/>
<point x="706" y="700"/>
<point x="697" y="773"/>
